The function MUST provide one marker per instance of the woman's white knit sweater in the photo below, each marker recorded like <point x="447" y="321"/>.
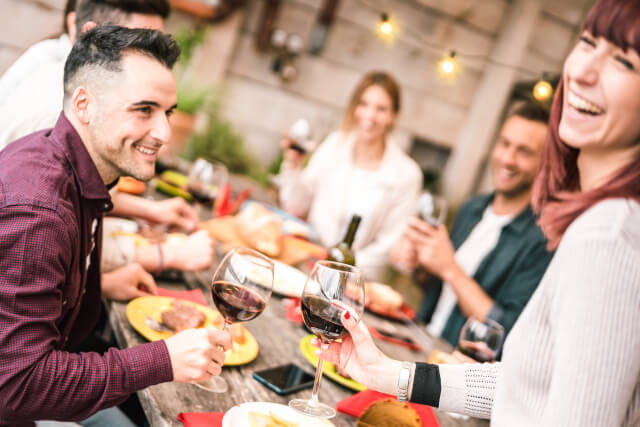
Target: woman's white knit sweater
<point x="573" y="357"/>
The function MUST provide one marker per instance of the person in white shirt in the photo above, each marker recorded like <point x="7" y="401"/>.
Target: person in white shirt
<point x="37" y="56"/>
<point x="357" y="171"/>
<point x="494" y="257"/>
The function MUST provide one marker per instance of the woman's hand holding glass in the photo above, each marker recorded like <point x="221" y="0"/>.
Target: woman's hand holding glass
<point x="358" y="356"/>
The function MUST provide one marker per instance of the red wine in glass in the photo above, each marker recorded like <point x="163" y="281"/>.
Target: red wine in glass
<point x="237" y="303"/>
<point x="323" y="317"/>
<point x="478" y="351"/>
<point x="201" y="193"/>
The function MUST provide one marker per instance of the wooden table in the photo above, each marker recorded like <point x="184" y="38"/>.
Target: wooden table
<point x="278" y="339"/>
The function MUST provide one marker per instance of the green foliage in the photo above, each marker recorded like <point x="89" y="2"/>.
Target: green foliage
<point x="190" y="100"/>
<point x="220" y="141"/>
<point x="188" y="39"/>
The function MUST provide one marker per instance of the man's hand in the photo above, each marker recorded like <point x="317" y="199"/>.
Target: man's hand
<point x="128" y="282"/>
<point x="196" y="355"/>
<point x="174" y="211"/>
<point x="191" y="254"/>
<point x="434" y="248"/>
<point x="404" y="255"/>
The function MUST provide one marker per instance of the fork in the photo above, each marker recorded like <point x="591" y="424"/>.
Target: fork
<point x="155" y="325"/>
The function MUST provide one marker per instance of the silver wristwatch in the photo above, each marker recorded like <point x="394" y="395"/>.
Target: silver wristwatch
<point x="403" y="382"/>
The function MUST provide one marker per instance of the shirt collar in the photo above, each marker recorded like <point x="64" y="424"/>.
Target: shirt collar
<point x="519" y="224"/>
<point x="89" y="180"/>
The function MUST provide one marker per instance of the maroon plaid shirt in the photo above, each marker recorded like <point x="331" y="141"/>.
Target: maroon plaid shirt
<point x="51" y="204"/>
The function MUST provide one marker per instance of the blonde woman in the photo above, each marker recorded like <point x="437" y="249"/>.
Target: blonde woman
<point x="357" y="170"/>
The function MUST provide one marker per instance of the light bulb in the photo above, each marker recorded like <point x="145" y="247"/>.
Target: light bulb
<point x="386" y="28"/>
<point x="542" y="90"/>
<point x="448" y="65"/>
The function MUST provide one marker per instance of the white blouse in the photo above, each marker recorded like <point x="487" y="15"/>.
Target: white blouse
<point x="331" y="189"/>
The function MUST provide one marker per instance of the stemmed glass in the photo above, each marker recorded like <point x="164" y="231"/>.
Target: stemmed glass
<point x="481" y="341"/>
<point x="206" y="177"/>
<point x="241" y="289"/>
<point x="432" y="209"/>
<point x="330" y="289"/>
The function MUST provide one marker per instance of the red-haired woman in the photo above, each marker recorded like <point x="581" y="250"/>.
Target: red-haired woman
<point x="573" y="357"/>
<point x="357" y="170"/>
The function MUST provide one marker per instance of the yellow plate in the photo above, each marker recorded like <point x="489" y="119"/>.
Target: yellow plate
<point x="153" y="306"/>
<point x="329" y="369"/>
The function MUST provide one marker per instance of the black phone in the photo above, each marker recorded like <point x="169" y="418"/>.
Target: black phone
<point x="285" y="379"/>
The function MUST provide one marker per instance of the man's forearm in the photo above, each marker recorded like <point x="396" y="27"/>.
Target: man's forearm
<point x="472" y="299"/>
<point x="130" y="206"/>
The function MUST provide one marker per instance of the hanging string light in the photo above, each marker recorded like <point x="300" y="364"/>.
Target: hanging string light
<point x="542" y="90"/>
<point x="386" y="28"/>
<point x="448" y="66"/>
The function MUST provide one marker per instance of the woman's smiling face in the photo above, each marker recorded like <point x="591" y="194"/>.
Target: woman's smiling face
<point x="601" y="103"/>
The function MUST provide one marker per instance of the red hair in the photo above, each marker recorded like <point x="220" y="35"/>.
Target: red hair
<point x="556" y="190"/>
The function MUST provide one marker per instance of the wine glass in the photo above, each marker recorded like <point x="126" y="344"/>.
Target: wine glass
<point x="432" y="209"/>
<point x="330" y="289"/>
<point x="206" y="177"/>
<point x="481" y="341"/>
<point x="241" y="289"/>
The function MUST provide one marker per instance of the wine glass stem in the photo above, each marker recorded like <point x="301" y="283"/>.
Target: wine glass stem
<point x="314" y="394"/>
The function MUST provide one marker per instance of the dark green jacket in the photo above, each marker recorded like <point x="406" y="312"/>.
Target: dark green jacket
<point x="509" y="273"/>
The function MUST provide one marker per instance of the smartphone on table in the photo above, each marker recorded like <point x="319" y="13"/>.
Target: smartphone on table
<point x="285" y="379"/>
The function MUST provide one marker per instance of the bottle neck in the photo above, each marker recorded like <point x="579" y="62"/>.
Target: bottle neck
<point x="351" y="231"/>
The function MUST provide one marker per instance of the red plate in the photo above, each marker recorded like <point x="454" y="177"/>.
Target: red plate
<point x="399" y="314"/>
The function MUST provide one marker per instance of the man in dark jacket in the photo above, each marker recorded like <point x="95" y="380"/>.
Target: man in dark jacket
<point x="495" y="256"/>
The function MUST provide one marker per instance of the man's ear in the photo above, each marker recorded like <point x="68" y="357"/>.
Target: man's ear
<point x="88" y="26"/>
<point x="81" y="105"/>
<point x="71" y="26"/>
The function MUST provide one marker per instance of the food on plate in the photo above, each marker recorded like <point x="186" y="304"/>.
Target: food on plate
<point x="182" y="316"/>
<point x="237" y="333"/>
<point x="381" y="297"/>
<point x="389" y="413"/>
<point x="260" y="228"/>
<point x="128" y="184"/>
<point x="258" y="419"/>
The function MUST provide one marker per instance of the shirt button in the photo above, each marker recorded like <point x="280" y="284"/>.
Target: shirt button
<point x="64" y="302"/>
<point x="84" y="291"/>
<point x="66" y="339"/>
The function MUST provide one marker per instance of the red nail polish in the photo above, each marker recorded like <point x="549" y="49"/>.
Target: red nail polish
<point x="347" y="315"/>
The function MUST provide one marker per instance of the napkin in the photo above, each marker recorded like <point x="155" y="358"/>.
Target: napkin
<point x="201" y="419"/>
<point x="194" y="295"/>
<point x="356" y="405"/>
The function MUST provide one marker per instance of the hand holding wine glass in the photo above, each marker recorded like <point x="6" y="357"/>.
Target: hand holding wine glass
<point x="332" y="290"/>
<point x="481" y="341"/>
<point x="238" y="295"/>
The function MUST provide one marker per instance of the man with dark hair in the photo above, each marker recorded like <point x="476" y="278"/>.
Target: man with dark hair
<point x="495" y="256"/>
<point x="21" y="115"/>
<point x="38" y="73"/>
<point x="119" y="92"/>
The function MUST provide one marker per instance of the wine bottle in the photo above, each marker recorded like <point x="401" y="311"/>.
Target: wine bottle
<point x="342" y="252"/>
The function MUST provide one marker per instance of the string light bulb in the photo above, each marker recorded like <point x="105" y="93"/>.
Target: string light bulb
<point x="386" y="27"/>
<point x="542" y="90"/>
<point x="448" y="65"/>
